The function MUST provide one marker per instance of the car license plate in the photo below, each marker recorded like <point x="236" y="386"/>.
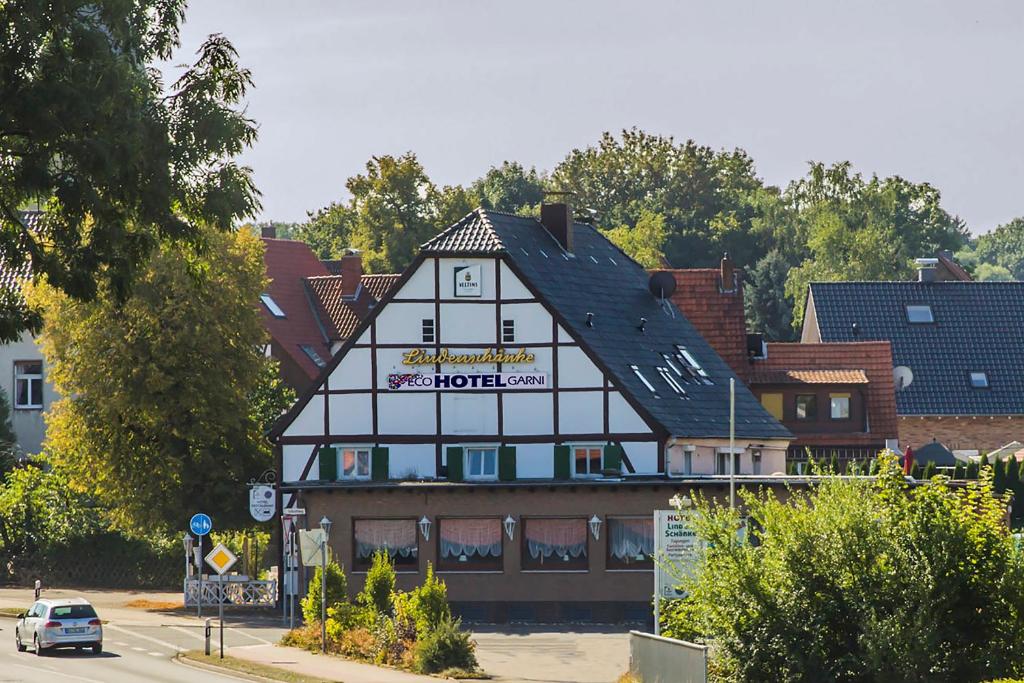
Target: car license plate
<point x="75" y="630"/>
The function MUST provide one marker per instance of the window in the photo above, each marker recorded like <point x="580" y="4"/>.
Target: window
<point x="428" y="331"/>
<point x="840" y="406"/>
<point x="508" y="331"/>
<point x="671" y="381"/>
<point x="72" y="612"/>
<point x="636" y="371"/>
<point x="555" y="544"/>
<point x="355" y="463"/>
<point x="469" y="545"/>
<point x="920" y="314"/>
<point x="482" y="463"/>
<point x="680" y="463"/>
<point x="588" y="460"/>
<point x="755" y="461"/>
<point x="313" y="355"/>
<point x="806" y="407"/>
<point x="722" y="464"/>
<point x="28" y="384"/>
<point x="397" y="537"/>
<point x="630" y="543"/>
<point x="979" y="380"/>
<point x="691" y="366"/>
<point x="773" y="404"/>
<point x="272" y="306"/>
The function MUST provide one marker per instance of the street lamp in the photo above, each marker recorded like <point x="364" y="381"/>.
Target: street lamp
<point x="510" y="526"/>
<point x="595" y="527"/>
<point x="425" y="528"/>
<point x="187" y="540"/>
<point x="325" y="526"/>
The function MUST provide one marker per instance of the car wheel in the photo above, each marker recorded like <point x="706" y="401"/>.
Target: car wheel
<point x="97" y="649"/>
<point x="36" y="646"/>
<point x="17" y="641"/>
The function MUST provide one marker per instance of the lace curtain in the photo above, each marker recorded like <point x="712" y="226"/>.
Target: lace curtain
<point x="397" y="536"/>
<point x="560" y="537"/>
<point x="470" y="537"/>
<point x="628" y="538"/>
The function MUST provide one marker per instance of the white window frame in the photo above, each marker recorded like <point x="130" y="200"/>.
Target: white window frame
<point x="686" y="461"/>
<point x="272" y="306"/>
<point x="588" y="446"/>
<point x="341" y="462"/>
<point x="756" y="460"/>
<point x="920" y="308"/>
<point x="737" y="454"/>
<point x="34" y="402"/>
<point x="466" y="471"/>
<point x="640" y="376"/>
<point x="832" y="398"/>
<point x="671" y="381"/>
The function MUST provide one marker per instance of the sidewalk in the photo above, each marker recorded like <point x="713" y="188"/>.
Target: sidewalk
<point x="329" y="667"/>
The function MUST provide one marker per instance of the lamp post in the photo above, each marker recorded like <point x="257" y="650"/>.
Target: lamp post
<point x="425" y="528"/>
<point x="595" y="527"/>
<point x="325" y="526"/>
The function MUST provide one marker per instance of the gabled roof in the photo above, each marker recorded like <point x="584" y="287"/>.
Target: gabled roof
<point x="341" y="315"/>
<point x="978" y="327"/>
<point x="599" y="278"/>
<point x="934" y="452"/>
<point x="379" y="285"/>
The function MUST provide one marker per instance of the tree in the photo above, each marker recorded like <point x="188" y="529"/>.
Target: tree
<point x="39" y="509"/>
<point x="644" y="242"/>
<point x="89" y="135"/>
<point x="858" y="580"/>
<point x="270" y="397"/>
<point x="8" y="439"/>
<point x="986" y="272"/>
<point x="1004" y="247"/>
<point x="509" y="188"/>
<point x="157" y="418"/>
<point x="337" y="592"/>
<point x="769" y="309"/>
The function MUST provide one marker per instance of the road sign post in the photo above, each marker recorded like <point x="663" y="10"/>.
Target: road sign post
<point x="221" y="559"/>
<point x="200" y="525"/>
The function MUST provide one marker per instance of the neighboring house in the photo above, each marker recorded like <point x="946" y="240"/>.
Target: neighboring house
<point x="837" y="399"/>
<point x="936" y="453"/>
<point x="513" y="412"/>
<point x="956" y="346"/>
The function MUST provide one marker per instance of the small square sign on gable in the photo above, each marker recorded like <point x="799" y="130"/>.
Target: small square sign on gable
<point x="467" y="280"/>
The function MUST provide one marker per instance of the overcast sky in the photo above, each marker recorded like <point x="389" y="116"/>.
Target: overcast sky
<point x="930" y="90"/>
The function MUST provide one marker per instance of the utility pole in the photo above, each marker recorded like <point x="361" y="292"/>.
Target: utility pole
<point x="732" y="443"/>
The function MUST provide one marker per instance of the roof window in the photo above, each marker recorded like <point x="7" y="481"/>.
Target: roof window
<point x="671" y="381"/>
<point x="979" y="380"/>
<point x="272" y="306"/>
<point x="313" y="355"/>
<point x="636" y="371"/>
<point x="919" y="314"/>
<point x="691" y="366"/>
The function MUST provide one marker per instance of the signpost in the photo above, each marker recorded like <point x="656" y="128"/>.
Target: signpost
<point x="200" y="525"/>
<point x="262" y="502"/>
<point x="221" y="559"/>
<point x="676" y="547"/>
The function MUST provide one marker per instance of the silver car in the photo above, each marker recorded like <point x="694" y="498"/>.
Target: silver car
<point x="50" y="624"/>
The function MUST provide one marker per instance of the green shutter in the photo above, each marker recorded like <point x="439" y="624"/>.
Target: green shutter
<point x="328" y="458"/>
<point x="455" y="463"/>
<point x="562" y="462"/>
<point x="379" y="464"/>
<point x="507" y="463"/>
<point x="613" y="457"/>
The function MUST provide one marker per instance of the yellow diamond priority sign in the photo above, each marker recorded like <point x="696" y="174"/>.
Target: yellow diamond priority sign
<point x="221" y="559"/>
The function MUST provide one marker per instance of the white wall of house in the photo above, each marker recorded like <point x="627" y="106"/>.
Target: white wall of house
<point x="29" y="422"/>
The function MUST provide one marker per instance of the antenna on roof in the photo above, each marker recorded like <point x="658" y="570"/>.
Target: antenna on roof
<point x="662" y="285"/>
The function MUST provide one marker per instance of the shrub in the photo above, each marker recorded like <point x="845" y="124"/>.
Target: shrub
<point x="929" y="472"/>
<point x="380" y="584"/>
<point x="306" y="637"/>
<point x="357" y="643"/>
<point x="428" y="603"/>
<point x="337" y="592"/>
<point x="446" y="647"/>
<point x="345" y="616"/>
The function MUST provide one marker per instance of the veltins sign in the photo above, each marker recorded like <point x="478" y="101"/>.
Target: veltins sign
<point x="463" y="382"/>
<point x="467" y="280"/>
<point x="262" y="502"/>
<point x="676" y="547"/>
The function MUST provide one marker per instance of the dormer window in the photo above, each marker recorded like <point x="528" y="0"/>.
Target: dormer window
<point x="312" y="355"/>
<point x="979" y="380"/>
<point x="920" y="314"/>
<point x="272" y="306"/>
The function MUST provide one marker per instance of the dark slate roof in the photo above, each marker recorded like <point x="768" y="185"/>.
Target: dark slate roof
<point x="978" y="327"/>
<point x="600" y="278"/>
<point x="934" y="452"/>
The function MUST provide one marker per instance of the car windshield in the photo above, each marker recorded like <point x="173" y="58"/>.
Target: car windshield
<point x="73" y="612"/>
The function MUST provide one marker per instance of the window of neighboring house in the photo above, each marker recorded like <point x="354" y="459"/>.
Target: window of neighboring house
<point x="355" y="462"/>
<point x="272" y="306"/>
<point x="773" y="404"/>
<point x="313" y="355"/>
<point x="588" y="460"/>
<point x="630" y="543"/>
<point x="722" y="462"/>
<point x="428" y="331"/>
<point x="508" y="331"/>
<point x="920" y="314"/>
<point x="28" y="384"/>
<point x="979" y="380"/>
<point x="397" y="537"/>
<point x="839" y="408"/>
<point x="555" y="544"/>
<point x="481" y="462"/>
<point x="806" y="407"/>
<point x="755" y="459"/>
<point x="469" y="545"/>
<point x="680" y="463"/>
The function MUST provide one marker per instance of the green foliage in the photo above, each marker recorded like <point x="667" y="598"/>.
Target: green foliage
<point x="959" y="470"/>
<point x="1003" y="249"/>
<point x="345" y="616"/>
<point x="929" y="472"/>
<point x="428" y="603"/>
<point x="972" y="470"/>
<point x="156" y="417"/>
<point x="39" y="509"/>
<point x="119" y="163"/>
<point x="8" y="439"/>
<point x="509" y="188"/>
<point x="986" y="272"/>
<point x="337" y="592"/>
<point x="643" y="242"/>
<point x="768" y="309"/>
<point x="446" y="647"/>
<point x="270" y="396"/>
<point x="380" y="584"/>
<point x="859" y="580"/>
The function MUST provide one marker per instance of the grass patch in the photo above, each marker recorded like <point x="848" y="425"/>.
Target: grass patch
<point x="12" y="611"/>
<point x="154" y="604"/>
<point x="243" y="666"/>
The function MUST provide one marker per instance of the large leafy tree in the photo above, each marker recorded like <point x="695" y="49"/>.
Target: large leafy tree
<point x="509" y="188"/>
<point x="1003" y="248"/>
<point x="163" y="409"/>
<point x="89" y="134"/>
<point x="768" y="309"/>
<point x="644" y="242"/>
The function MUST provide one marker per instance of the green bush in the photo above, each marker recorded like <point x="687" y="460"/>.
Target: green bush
<point x="929" y="472"/>
<point x="446" y="647"/>
<point x="337" y="592"/>
<point x="344" y="616"/>
<point x="380" y="584"/>
<point x="428" y="603"/>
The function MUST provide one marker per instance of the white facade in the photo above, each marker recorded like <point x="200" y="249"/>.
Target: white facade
<point x="27" y="411"/>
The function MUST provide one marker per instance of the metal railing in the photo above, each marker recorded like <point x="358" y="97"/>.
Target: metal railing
<point x="233" y="591"/>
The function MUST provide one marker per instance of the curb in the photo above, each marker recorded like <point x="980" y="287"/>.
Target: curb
<point x="180" y="659"/>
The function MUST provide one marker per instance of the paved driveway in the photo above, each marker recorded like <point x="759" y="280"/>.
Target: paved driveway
<point x="531" y="655"/>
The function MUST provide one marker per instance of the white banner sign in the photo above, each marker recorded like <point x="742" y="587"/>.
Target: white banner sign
<point x="676" y="549"/>
<point x="463" y="382"/>
<point x="262" y="502"/>
<point x="467" y="280"/>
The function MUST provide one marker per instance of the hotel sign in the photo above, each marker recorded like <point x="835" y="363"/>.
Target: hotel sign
<point x="424" y="357"/>
<point x="676" y="551"/>
<point x="467" y="381"/>
<point x="467" y="280"/>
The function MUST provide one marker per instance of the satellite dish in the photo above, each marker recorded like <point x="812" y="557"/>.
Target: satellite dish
<point x="662" y="284"/>
<point x="902" y="376"/>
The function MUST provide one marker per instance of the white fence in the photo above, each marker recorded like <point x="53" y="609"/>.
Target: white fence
<point x="239" y="593"/>
<point x="655" y="659"/>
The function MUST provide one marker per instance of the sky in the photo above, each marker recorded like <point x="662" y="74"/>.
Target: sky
<point x="929" y="90"/>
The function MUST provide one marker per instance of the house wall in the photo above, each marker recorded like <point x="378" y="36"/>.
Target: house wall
<point x="29" y="425"/>
<point x="824" y="424"/>
<point x="982" y="433"/>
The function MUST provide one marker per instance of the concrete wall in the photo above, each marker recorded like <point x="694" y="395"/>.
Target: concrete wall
<point x="982" y="433"/>
<point x="654" y="659"/>
<point x="29" y="425"/>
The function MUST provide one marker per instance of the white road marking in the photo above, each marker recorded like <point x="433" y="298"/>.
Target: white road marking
<point x="157" y="641"/>
<point x="256" y="638"/>
<point x="187" y="632"/>
<point x="36" y="669"/>
<point x="155" y="654"/>
<point x="138" y="649"/>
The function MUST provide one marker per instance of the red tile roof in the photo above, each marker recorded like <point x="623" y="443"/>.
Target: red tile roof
<point x="341" y="315"/>
<point x="379" y="285"/>
<point x="830" y="376"/>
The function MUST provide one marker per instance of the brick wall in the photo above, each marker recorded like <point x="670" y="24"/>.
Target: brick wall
<point x="982" y="433"/>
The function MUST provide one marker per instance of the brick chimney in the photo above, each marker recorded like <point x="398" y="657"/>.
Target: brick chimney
<point x="268" y="232"/>
<point x="351" y="273"/>
<point x="727" y="275"/>
<point x="557" y="218"/>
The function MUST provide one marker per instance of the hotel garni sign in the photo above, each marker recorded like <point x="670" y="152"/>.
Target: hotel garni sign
<point x="466" y="381"/>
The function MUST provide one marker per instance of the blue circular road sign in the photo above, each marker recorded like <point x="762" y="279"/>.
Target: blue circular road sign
<point x="200" y="524"/>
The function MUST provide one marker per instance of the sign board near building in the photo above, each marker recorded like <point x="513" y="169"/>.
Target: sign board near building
<point x="467" y="280"/>
<point x="310" y="543"/>
<point x="467" y="381"/>
<point x="262" y="502"/>
<point x="676" y="548"/>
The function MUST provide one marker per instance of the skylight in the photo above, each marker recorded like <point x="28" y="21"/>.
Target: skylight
<point x="636" y="371"/>
<point x="979" y="380"/>
<point x="690" y="364"/>
<point x="272" y="306"/>
<point x="313" y="355"/>
<point x="920" y="314"/>
<point x="671" y="381"/>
